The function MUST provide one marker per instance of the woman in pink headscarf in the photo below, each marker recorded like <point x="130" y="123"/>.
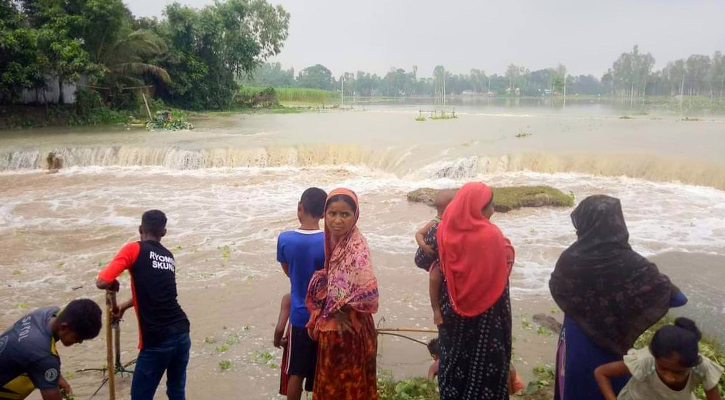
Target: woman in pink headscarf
<point x="342" y="298"/>
<point x="475" y="336"/>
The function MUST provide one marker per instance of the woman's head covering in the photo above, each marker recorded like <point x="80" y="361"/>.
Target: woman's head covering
<point x="347" y="278"/>
<point x="473" y="252"/>
<point x="612" y="293"/>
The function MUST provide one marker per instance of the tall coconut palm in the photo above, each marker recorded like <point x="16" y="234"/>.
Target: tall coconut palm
<point x="128" y="60"/>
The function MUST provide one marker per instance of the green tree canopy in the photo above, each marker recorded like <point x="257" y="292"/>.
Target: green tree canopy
<point x="315" y="77"/>
<point x="211" y="47"/>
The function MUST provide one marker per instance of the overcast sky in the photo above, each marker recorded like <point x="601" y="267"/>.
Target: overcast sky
<point x="585" y="35"/>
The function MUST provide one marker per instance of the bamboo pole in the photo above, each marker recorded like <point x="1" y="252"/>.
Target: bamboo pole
<point x="148" y="110"/>
<point x="116" y="326"/>
<point x="110" y="300"/>
<point x="418" y="330"/>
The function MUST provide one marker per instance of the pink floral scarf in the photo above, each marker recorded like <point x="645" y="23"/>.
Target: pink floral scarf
<point x="347" y="278"/>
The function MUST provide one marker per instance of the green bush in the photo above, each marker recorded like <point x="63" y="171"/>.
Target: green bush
<point x="408" y="389"/>
<point x="250" y="97"/>
<point x="169" y="120"/>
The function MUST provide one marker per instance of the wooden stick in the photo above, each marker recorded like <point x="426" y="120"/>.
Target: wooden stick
<point x="419" y="330"/>
<point x="116" y="326"/>
<point x="147" y="105"/>
<point x="403" y="336"/>
<point x="110" y="299"/>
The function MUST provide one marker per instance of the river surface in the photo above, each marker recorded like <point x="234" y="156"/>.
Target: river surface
<point x="231" y="185"/>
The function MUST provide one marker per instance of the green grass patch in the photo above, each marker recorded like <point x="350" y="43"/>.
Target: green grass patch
<point x="233" y="339"/>
<point x="266" y="356"/>
<point x="541" y="331"/>
<point x="523" y="135"/>
<point x="626" y="117"/>
<point x="510" y="198"/>
<point x="420" y="119"/>
<point x="408" y="389"/>
<point x="297" y="95"/>
<point x="544" y="376"/>
<point x="226" y="365"/>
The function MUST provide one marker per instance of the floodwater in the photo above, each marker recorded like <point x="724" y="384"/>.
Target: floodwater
<point x="231" y="185"/>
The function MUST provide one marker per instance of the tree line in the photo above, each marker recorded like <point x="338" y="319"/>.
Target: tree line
<point x="631" y="75"/>
<point x="191" y="58"/>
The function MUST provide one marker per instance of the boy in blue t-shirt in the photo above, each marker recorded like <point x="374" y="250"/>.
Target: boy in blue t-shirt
<point x="301" y="252"/>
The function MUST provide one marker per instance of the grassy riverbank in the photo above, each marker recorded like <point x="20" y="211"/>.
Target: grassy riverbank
<point x="295" y="95"/>
<point x="89" y="110"/>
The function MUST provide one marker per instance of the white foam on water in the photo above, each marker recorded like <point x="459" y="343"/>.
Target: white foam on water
<point x="244" y="209"/>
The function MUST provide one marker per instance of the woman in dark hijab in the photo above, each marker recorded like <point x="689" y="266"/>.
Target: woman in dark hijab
<point x="609" y="294"/>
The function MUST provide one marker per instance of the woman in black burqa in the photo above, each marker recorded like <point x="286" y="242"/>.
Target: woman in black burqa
<point x="610" y="295"/>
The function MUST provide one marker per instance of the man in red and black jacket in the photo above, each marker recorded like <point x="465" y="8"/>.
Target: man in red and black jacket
<point x="163" y="326"/>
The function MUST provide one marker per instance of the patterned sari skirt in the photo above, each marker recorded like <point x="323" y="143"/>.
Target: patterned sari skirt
<point x="346" y="364"/>
<point x="475" y="352"/>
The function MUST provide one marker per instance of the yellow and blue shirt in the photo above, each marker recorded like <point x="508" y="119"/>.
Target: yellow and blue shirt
<point x="28" y="358"/>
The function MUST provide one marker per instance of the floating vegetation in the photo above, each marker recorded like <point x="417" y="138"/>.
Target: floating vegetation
<point x="420" y="119"/>
<point x="264" y="358"/>
<point x="209" y="340"/>
<point x="221" y="349"/>
<point x="523" y="135"/>
<point x="226" y="365"/>
<point x="436" y="116"/>
<point x="688" y="119"/>
<point x="626" y="117"/>
<point x="233" y="339"/>
<point x="541" y="331"/>
<point x="20" y="306"/>
<point x="543" y="378"/>
<point x="168" y="120"/>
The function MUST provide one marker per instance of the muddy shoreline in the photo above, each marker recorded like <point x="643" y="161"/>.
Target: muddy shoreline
<point x="240" y="314"/>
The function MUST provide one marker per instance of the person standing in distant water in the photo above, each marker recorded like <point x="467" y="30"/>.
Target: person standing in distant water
<point x="301" y="252"/>
<point x="475" y="335"/>
<point x="163" y="326"/>
<point x="342" y="298"/>
<point x="609" y="294"/>
<point x="28" y="356"/>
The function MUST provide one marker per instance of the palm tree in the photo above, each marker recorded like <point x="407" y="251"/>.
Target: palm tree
<point x="127" y="61"/>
